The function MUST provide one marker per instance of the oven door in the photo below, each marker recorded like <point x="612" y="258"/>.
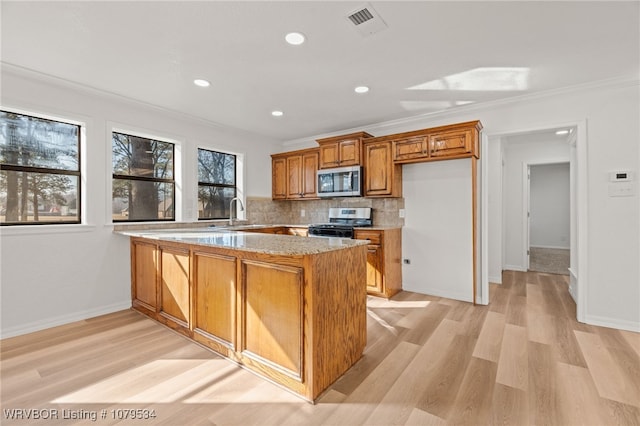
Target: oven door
<point x="340" y="182"/>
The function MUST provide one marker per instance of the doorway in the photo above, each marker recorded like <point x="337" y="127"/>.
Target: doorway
<point x="548" y="218"/>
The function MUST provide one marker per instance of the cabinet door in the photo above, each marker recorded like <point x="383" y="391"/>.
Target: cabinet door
<point x="309" y="175"/>
<point x="452" y="143"/>
<point x="294" y="176"/>
<point x="214" y="297"/>
<point x="405" y="149"/>
<point x="272" y="316"/>
<point x="374" y="269"/>
<point x="329" y="155"/>
<point x="145" y="276"/>
<point x="349" y="152"/>
<point x="378" y="169"/>
<point x="174" y="296"/>
<point x="279" y="178"/>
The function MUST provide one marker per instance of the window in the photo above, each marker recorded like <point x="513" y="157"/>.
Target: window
<point x="216" y="183"/>
<point x="39" y="170"/>
<point x="143" y="179"/>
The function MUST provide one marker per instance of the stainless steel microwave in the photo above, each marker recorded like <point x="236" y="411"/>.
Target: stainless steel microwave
<point x="340" y="182"/>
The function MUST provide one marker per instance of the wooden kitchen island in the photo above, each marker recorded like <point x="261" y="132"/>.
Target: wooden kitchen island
<point x="291" y="309"/>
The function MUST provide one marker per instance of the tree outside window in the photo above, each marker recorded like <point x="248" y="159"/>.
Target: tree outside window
<point x="216" y="183"/>
<point x="39" y="170"/>
<point x="143" y="179"/>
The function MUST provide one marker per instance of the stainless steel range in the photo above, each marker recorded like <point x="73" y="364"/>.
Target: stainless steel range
<point x="342" y="220"/>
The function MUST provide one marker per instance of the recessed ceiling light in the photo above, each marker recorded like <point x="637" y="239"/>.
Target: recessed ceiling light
<point x="361" y="89"/>
<point x="277" y="113"/>
<point x="295" y="38"/>
<point x="562" y="132"/>
<point x="200" y="82"/>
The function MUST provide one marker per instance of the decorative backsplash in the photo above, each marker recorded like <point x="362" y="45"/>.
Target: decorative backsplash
<point x="265" y="210"/>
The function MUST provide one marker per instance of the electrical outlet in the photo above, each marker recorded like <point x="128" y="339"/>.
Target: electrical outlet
<point x="302" y="213"/>
<point x="401" y="212"/>
<point x="406" y="261"/>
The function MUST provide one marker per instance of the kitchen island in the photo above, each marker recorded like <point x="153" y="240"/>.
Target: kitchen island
<point x="292" y="309"/>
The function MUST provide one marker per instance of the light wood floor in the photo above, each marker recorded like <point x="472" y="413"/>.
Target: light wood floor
<point x="521" y="360"/>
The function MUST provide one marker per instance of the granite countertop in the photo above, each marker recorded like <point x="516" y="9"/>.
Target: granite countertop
<point x="246" y="240"/>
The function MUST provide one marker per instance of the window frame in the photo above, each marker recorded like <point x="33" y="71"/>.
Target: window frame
<point x="78" y="173"/>
<point x="173" y="181"/>
<point x="216" y="185"/>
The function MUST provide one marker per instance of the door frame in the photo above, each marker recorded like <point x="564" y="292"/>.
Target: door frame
<point x="526" y="202"/>
<point x="578" y="271"/>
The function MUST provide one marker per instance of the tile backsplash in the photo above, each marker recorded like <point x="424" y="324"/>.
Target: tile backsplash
<point x="265" y="210"/>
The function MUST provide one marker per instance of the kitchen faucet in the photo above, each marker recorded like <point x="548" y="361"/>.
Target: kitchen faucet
<point x="231" y="209"/>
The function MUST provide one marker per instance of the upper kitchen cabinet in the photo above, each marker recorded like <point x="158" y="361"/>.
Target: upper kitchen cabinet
<point x="341" y="151"/>
<point x="382" y="177"/>
<point x="294" y="175"/>
<point x="438" y="143"/>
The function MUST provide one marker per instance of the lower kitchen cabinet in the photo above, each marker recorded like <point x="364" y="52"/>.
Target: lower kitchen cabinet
<point x="298" y="319"/>
<point x="384" y="268"/>
<point x="214" y="300"/>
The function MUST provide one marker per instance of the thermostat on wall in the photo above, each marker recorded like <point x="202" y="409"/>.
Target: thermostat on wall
<point x="621" y="176"/>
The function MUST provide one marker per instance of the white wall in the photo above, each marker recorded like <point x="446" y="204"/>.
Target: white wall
<point x="53" y="275"/>
<point x="437" y="229"/>
<point x="549" y="206"/>
<point x="518" y="152"/>
<point x="494" y="210"/>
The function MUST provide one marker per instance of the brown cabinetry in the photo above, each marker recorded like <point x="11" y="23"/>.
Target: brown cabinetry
<point x="382" y="178"/>
<point x="384" y="270"/>
<point x="437" y="143"/>
<point x="341" y="151"/>
<point x="294" y="175"/>
<point x="297" y="319"/>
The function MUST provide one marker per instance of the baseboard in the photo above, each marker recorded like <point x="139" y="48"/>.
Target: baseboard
<point x="495" y="279"/>
<point x="551" y="247"/>
<point x="514" y="268"/>
<point x="63" y="319"/>
<point x="442" y="293"/>
<point x="613" y="323"/>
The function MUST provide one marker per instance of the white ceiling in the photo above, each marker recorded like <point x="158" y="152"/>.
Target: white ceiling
<point x="426" y="60"/>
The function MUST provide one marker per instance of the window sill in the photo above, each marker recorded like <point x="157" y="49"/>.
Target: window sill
<point x="17" y="230"/>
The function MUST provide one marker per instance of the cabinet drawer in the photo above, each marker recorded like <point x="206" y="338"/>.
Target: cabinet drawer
<point x="375" y="237"/>
<point x="416" y="147"/>
<point x="450" y="143"/>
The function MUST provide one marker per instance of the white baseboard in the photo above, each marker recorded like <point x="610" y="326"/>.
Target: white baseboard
<point x="63" y="319"/>
<point x="551" y="247"/>
<point x="514" y="268"/>
<point x="495" y="279"/>
<point x="613" y="323"/>
<point x="441" y="293"/>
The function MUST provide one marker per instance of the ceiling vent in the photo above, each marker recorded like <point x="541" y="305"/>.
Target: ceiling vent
<point x="366" y="20"/>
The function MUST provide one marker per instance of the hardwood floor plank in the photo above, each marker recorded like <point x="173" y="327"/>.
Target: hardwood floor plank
<point x="632" y="338"/>
<point x="517" y="310"/>
<point x="473" y="402"/>
<point x="610" y="379"/>
<point x="513" y="367"/>
<point x="422" y="418"/>
<point x="565" y="344"/>
<point x="357" y="406"/>
<point x="509" y="406"/>
<point x="544" y="403"/>
<point x="490" y="340"/>
<point x="578" y="396"/>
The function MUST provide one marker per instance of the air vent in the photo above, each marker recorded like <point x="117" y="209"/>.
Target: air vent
<point x="366" y="20"/>
<point x="361" y="16"/>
